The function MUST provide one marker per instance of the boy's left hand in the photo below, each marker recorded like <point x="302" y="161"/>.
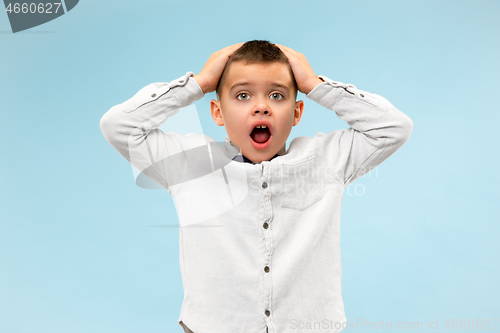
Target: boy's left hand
<point x="302" y="71"/>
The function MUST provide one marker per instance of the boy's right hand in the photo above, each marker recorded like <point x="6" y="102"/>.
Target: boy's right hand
<point x="209" y="76"/>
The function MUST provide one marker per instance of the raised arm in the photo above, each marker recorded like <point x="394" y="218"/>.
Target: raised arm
<point x="377" y="129"/>
<point x="132" y="127"/>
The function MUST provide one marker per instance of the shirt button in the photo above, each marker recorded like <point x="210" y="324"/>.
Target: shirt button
<point x="267" y="313"/>
<point x="264" y="185"/>
<point x="265" y="225"/>
<point x="266" y="269"/>
<point x="153" y="95"/>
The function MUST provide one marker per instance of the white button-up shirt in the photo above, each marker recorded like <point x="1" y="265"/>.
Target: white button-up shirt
<point x="259" y="242"/>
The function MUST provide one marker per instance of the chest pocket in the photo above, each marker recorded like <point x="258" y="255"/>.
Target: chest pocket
<point x="301" y="185"/>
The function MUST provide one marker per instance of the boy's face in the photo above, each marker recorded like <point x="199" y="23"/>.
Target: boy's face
<point x="254" y="95"/>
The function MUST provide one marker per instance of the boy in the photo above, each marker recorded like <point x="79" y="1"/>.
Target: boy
<point x="260" y="224"/>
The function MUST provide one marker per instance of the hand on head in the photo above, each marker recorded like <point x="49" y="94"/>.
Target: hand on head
<point x="209" y="76"/>
<point x="302" y="71"/>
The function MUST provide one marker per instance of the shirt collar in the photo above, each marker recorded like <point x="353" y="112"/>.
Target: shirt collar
<point x="242" y="158"/>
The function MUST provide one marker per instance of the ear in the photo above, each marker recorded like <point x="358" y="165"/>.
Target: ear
<point x="299" y="107"/>
<point x="216" y="112"/>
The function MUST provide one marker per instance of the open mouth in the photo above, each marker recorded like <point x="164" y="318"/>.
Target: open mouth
<point x="260" y="134"/>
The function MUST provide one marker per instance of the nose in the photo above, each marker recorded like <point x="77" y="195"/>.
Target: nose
<point x="261" y="107"/>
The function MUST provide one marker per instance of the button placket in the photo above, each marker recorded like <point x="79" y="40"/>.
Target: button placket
<point x="267" y="208"/>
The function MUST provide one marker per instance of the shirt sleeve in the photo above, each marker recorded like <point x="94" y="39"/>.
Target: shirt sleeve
<point x="132" y="128"/>
<point x="377" y="129"/>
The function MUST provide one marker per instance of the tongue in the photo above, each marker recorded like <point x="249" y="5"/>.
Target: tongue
<point x="260" y="135"/>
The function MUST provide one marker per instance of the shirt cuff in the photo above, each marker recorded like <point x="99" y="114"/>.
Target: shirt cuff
<point x="323" y="93"/>
<point x="191" y="90"/>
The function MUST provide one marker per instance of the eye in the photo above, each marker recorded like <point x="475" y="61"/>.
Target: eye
<point x="276" y="96"/>
<point x="243" y="96"/>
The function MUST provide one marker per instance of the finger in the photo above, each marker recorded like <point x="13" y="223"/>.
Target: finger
<point x="281" y="47"/>
<point x="289" y="53"/>
<point x="284" y="48"/>
<point x="236" y="46"/>
<point x="229" y="50"/>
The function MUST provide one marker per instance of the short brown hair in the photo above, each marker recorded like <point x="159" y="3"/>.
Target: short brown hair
<point x="252" y="52"/>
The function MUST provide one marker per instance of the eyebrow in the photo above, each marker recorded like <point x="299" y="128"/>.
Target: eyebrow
<point x="279" y="85"/>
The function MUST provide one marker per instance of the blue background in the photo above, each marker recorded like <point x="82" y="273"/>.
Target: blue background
<point x="84" y="249"/>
